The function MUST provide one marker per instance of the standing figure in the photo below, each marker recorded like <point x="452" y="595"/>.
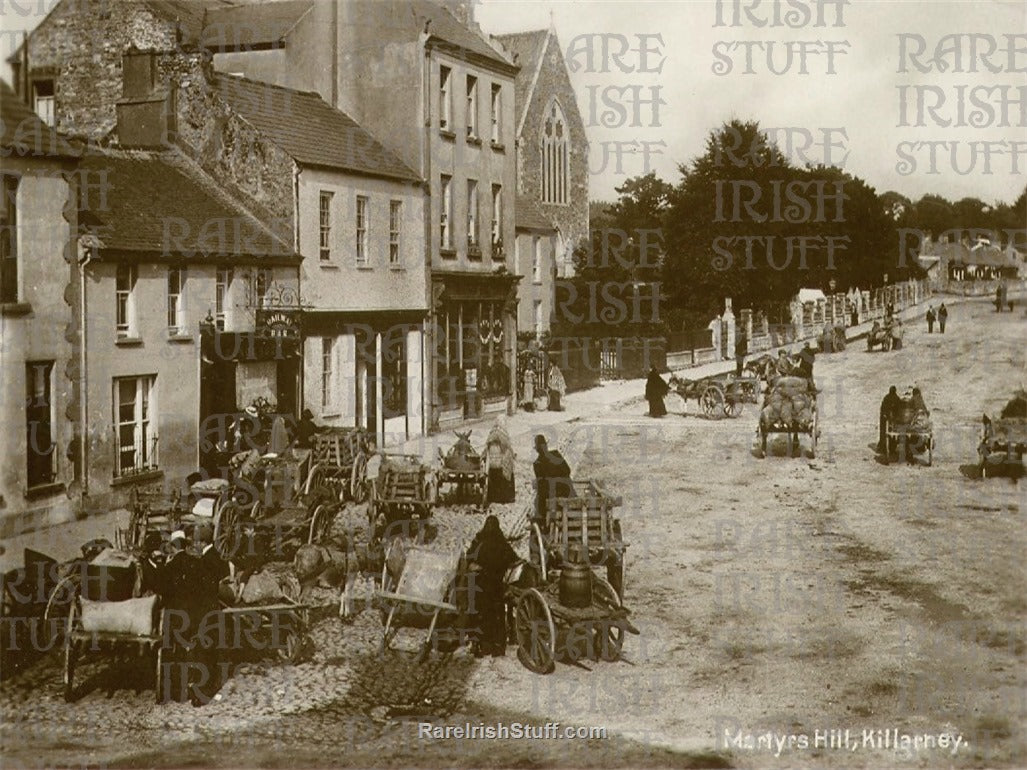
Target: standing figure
<point x="306" y="430"/>
<point x="557" y="389"/>
<point x="943" y="316"/>
<point x="552" y="477"/>
<point x="528" y="396"/>
<point x="896" y="334"/>
<point x="500" y="456"/>
<point x="888" y="406"/>
<point x="206" y="582"/>
<point x="930" y="320"/>
<point x="741" y="348"/>
<point x="491" y="556"/>
<point x="655" y="391"/>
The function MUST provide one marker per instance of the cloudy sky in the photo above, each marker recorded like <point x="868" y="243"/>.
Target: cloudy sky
<point x="862" y="96"/>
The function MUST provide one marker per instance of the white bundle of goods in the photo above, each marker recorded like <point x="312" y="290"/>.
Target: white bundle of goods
<point x="131" y="616"/>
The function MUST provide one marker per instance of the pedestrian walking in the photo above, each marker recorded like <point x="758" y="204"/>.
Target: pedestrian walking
<point x="655" y="391"/>
<point x="930" y="320"/>
<point x="490" y="555"/>
<point x="943" y="316"/>
<point x="557" y="389"/>
<point x="741" y="348"/>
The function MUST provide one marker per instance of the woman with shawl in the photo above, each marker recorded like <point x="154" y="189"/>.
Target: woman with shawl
<point x="655" y="391"/>
<point x="557" y="388"/>
<point x="500" y="456"/>
<point x="491" y="556"/>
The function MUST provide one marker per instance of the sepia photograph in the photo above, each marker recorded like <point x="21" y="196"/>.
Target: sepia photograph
<point x="491" y="384"/>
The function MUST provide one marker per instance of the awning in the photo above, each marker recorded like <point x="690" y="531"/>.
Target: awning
<point x="459" y="286"/>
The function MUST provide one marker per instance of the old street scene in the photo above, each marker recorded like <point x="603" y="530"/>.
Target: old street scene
<point x="509" y="383"/>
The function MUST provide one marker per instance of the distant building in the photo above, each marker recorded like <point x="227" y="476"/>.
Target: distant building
<point x="39" y="406"/>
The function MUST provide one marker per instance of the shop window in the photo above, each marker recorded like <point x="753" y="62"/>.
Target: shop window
<point x="135" y="444"/>
<point x="39" y="414"/>
<point x="9" y="240"/>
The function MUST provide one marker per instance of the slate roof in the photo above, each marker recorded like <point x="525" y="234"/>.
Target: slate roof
<point x="310" y="130"/>
<point x="447" y="28"/>
<point x="529" y="215"/>
<point x="189" y="14"/>
<point x="989" y="256"/>
<point x="527" y="49"/>
<point x="24" y="134"/>
<point x="260" y="24"/>
<point x="157" y="204"/>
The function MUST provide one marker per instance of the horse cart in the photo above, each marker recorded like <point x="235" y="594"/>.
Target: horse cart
<point x="404" y="489"/>
<point x="908" y="433"/>
<point x="880" y="336"/>
<point x="154" y="515"/>
<point x="1004" y="439"/>
<point x="339" y="462"/>
<point x="273" y="502"/>
<point x="464" y="467"/>
<point x="790" y="407"/>
<point x="718" y="396"/>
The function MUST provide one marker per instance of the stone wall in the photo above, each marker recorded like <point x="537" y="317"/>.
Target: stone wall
<point x="554" y="81"/>
<point x="80" y="45"/>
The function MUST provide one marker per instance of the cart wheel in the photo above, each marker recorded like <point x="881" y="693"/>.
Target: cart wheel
<point x="315" y="479"/>
<point x="733" y="408"/>
<point x="226" y="530"/>
<point x="320" y="524"/>
<point x="55" y="618"/>
<point x="609" y="637"/>
<point x="69" y="656"/>
<point x="357" y="482"/>
<point x="536" y="634"/>
<point x="711" y="400"/>
<point x="537" y="553"/>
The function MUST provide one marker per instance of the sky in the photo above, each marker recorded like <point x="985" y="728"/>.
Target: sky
<point x="861" y="97"/>
<point x="855" y="90"/>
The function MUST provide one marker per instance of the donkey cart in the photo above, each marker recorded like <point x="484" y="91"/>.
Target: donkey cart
<point x="791" y="408"/>
<point x="405" y="489"/>
<point x="466" y="468"/>
<point x="717" y="396"/>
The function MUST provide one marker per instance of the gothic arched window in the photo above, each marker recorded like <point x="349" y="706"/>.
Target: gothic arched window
<point x="555" y="156"/>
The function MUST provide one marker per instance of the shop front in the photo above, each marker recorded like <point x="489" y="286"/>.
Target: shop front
<point x="474" y="338"/>
<point x="246" y="378"/>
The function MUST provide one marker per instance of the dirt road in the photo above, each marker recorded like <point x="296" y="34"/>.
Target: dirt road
<point x="778" y="598"/>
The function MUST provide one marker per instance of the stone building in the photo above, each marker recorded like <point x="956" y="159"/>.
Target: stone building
<point x="552" y="172"/>
<point x="421" y="77"/>
<point x="39" y="384"/>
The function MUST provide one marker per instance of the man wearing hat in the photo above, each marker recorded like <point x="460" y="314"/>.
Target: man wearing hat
<point x="552" y="477"/>
<point x="211" y="570"/>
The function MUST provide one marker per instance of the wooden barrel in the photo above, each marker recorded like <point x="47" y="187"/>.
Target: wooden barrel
<point x="576" y="585"/>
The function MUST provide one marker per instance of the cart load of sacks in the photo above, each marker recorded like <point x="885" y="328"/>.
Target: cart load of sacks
<point x="789" y="402"/>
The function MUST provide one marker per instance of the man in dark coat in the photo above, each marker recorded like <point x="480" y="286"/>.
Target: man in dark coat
<point x="655" y="391"/>
<point x="943" y="316"/>
<point x="741" y="348"/>
<point x="552" y="477"/>
<point x="306" y="430"/>
<point x="211" y="570"/>
<point x="888" y="406"/>
<point x="492" y="556"/>
<point x="930" y="320"/>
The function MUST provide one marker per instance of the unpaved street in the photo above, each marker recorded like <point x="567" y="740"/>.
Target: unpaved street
<point x="785" y="595"/>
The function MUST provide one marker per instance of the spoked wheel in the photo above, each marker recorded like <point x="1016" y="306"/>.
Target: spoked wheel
<point x="55" y="618"/>
<point x="317" y="478"/>
<point x="320" y="523"/>
<point x="733" y="407"/>
<point x="537" y="552"/>
<point x="357" y="482"/>
<point x="711" y="401"/>
<point x="609" y="635"/>
<point x="226" y="530"/>
<point x="536" y="633"/>
<point x="70" y="653"/>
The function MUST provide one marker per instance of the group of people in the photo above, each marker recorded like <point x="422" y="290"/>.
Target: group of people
<point x="941" y="316"/>
<point x="1002" y="298"/>
<point x="890" y="406"/>
<point x="491" y="554"/>
<point x="556" y="387"/>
